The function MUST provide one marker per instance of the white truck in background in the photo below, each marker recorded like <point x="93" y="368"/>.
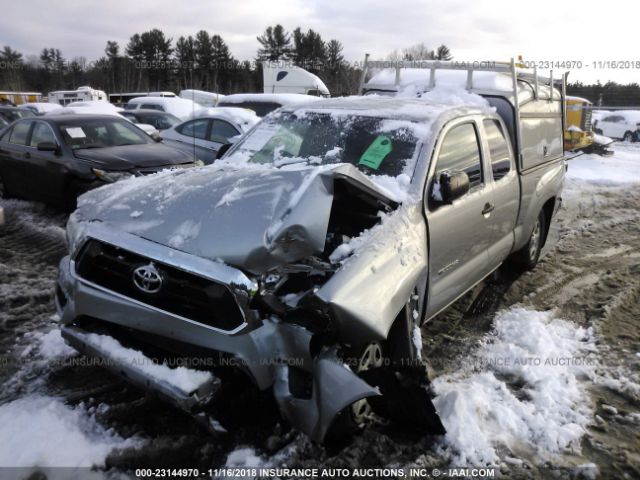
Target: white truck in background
<point x="280" y="79"/>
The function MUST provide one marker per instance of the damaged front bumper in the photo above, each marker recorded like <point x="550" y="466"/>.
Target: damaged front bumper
<point x="190" y="401"/>
<point x="272" y="352"/>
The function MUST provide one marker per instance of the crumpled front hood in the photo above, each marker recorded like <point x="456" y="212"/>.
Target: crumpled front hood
<point x="126" y="157"/>
<point x="251" y="218"/>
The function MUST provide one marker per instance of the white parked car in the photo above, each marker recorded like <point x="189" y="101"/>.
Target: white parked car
<point x="622" y="124"/>
<point x="209" y="130"/>
<point x="182" y="108"/>
<point x="40" y="108"/>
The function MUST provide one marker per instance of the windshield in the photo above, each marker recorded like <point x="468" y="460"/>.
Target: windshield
<point x="101" y="133"/>
<point x="376" y="146"/>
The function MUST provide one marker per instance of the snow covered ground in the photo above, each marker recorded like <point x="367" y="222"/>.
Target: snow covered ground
<point x="546" y="378"/>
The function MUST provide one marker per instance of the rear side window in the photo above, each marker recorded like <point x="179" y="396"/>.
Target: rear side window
<point x="195" y="128"/>
<point x="41" y="133"/>
<point x="498" y="149"/>
<point x="222" y="131"/>
<point x="460" y="151"/>
<point x="19" y="133"/>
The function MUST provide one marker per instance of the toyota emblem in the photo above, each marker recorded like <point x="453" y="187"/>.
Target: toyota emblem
<point x="147" y="278"/>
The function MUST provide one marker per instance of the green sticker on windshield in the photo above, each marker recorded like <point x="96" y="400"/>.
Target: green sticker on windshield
<point x="376" y="153"/>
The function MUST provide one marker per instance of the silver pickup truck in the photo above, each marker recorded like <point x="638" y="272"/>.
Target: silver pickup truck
<point x="310" y="256"/>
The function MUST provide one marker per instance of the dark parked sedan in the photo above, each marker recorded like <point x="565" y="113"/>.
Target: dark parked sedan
<point x="157" y="119"/>
<point x="55" y="158"/>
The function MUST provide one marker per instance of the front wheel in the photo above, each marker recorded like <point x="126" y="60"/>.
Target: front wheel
<point x="527" y="258"/>
<point x="628" y="137"/>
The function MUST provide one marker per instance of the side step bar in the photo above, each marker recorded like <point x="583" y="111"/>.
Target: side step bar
<point x="190" y="402"/>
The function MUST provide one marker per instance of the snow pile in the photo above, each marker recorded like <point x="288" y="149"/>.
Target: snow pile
<point x="244" y="457"/>
<point x="447" y="95"/>
<point x="622" y="167"/>
<point x="183" y="378"/>
<point x="43" y="431"/>
<point x="49" y="345"/>
<point x="528" y="395"/>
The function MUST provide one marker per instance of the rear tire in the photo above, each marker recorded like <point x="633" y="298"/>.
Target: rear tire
<point x="628" y="137"/>
<point x="527" y="258"/>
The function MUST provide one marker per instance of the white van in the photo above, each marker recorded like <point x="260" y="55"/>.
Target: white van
<point x="82" y="94"/>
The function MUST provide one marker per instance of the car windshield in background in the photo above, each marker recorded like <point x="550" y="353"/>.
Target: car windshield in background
<point x="261" y="108"/>
<point x="376" y="146"/>
<point x="102" y="133"/>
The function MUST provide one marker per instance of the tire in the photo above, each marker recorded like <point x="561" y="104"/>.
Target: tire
<point x="3" y="189"/>
<point x="355" y="417"/>
<point x="598" y="131"/>
<point x="628" y="137"/>
<point x="527" y="258"/>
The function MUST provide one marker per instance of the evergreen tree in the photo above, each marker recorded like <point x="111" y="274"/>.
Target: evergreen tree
<point x="204" y="59"/>
<point x="443" y="53"/>
<point x="275" y="44"/>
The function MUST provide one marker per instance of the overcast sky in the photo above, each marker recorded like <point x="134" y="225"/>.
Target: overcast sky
<point x="474" y="30"/>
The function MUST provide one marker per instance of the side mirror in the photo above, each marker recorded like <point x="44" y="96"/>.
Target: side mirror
<point x="453" y="185"/>
<point x="48" y="147"/>
<point x="222" y="150"/>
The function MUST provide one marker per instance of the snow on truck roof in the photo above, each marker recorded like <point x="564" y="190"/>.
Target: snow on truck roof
<point x="483" y="81"/>
<point x="428" y="107"/>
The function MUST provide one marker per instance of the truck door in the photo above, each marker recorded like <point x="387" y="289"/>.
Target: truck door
<point x="460" y="232"/>
<point x="501" y="169"/>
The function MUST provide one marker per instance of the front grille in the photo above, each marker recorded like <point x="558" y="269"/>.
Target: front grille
<point x="185" y="294"/>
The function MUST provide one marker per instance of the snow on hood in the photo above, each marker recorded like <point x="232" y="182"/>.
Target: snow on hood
<point x="254" y="218"/>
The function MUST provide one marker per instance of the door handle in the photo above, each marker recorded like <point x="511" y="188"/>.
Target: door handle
<point x="27" y="155"/>
<point x="488" y="208"/>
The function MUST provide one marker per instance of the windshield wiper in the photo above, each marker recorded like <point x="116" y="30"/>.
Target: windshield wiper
<point x="87" y="147"/>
